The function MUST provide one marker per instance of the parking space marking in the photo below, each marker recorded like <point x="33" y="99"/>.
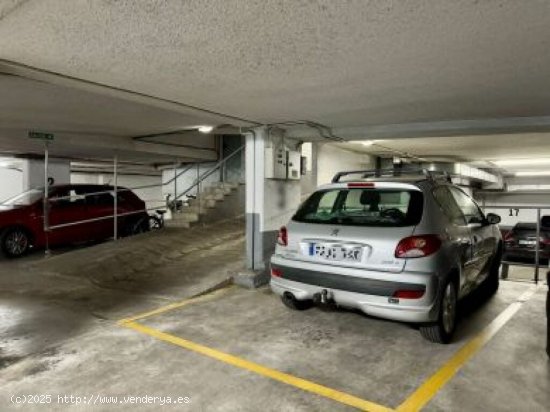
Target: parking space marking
<point x="300" y="383"/>
<point x="177" y="305"/>
<point x="419" y="398"/>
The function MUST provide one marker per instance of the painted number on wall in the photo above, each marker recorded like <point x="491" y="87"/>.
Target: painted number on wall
<point x="513" y="212"/>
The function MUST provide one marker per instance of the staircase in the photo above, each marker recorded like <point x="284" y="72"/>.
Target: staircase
<point x="209" y="198"/>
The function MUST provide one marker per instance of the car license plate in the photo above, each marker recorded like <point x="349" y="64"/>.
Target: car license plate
<point x="336" y="252"/>
<point x="528" y="242"/>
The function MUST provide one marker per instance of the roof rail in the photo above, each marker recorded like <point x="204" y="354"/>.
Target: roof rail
<point x="429" y="174"/>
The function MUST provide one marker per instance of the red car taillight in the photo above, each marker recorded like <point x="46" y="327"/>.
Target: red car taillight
<point x="276" y="272"/>
<point x="282" y="238"/>
<point x="408" y="294"/>
<point x="417" y="246"/>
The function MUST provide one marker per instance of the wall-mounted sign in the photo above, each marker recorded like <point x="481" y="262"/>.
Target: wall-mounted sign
<point x="41" y="136"/>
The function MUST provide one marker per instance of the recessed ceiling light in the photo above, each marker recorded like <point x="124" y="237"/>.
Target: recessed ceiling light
<point x="544" y="173"/>
<point x="520" y="162"/>
<point x="367" y="142"/>
<point x="205" y="129"/>
<point x="363" y="142"/>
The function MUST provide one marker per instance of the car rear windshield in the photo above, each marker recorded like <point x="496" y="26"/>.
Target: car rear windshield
<point x="363" y="207"/>
<point x="525" y="226"/>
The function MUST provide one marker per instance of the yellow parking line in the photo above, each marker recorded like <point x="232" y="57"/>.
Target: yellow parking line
<point x="419" y="398"/>
<point x="177" y="305"/>
<point x="259" y="369"/>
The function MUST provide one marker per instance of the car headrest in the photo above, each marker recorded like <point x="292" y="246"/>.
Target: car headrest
<point x="370" y="197"/>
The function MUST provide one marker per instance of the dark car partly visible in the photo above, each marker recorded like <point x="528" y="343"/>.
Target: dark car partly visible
<point x="22" y="217"/>
<point x="520" y="242"/>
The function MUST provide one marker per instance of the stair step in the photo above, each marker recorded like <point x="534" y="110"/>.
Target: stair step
<point x="186" y="217"/>
<point x="215" y="191"/>
<point x="178" y="224"/>
<point x="195" y="209"/>
<point x="213" y="196"/>
<point x="226" y="185"/>
<point x="204" y="203"/>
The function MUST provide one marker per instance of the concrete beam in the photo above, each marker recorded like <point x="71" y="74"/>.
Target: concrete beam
<point x="91" y="146"/>
<point x="209" y="116"/>
<point x="457" y="128"/>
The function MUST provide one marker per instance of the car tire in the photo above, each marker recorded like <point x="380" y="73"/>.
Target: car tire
<point x="137" y="227"/>
<point x="15" y="242"/>
<point x="491" y="283"/>
<point x="443" y="329"/>
<point x="295" y="304"/>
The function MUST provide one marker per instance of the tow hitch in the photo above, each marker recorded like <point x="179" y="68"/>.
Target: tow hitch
<point x="324" y="299"/>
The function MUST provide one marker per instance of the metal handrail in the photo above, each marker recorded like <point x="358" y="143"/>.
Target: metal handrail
<point x="185" y="170"/>
<point x="121" y="189"/>
<point x="209" y="172"/>
<point x="106" y="217"/>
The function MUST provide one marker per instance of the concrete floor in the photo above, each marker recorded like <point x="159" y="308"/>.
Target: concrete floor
<point x="59" y="336"/>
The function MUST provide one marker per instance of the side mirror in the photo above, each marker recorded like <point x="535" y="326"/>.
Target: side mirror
<point x="493" y="219"/>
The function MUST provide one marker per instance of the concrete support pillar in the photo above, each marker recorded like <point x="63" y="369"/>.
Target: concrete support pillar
<point x="255" y="176"/>
<point x="270" y="202"/>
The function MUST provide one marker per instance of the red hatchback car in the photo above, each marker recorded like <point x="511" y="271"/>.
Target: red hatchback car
<point x="22" y="217"/>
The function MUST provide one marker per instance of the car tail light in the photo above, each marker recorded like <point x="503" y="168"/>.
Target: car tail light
<point x="545" y="240"/>
<point x="282" y="238"/>
<point x="408" y="294"/>
<point x="509" y="237"/>
<point x="276" y="272"/>
<point x="417" y="246"/>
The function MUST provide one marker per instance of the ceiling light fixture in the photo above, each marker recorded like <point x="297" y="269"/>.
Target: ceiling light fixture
<point x="544" y="173"/>
<point x="205" y="129"/>
<point x="521" y="162"/>
<point x="367" y="142"/>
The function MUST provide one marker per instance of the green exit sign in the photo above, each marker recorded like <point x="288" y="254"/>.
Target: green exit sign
<point x="41" y="136"/>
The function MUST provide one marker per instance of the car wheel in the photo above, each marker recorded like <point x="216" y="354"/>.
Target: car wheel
<point x="491" y="283"/>
<point x="442" y="331"/>
<point x="15" y="242"/>
<point x="291" y="302"/>
<point x="135" y="228"/>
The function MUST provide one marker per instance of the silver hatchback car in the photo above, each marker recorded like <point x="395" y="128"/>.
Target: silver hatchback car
<point x="405" y="248"/>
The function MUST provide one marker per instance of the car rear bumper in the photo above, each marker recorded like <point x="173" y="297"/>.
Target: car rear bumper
<point x="512" y="253"/>
<point x="369" y="291"/>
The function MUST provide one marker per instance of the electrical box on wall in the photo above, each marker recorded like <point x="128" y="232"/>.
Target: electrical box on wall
<point x="275" y="162"/>
<point x="281" y="163"/>
<point x="294" y="163"/>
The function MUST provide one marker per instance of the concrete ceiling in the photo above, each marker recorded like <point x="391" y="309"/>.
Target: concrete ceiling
<point x="29" y="104"/>
<point x="481" y="151"/>
<point x="343" y="64"/>
<point x="90" y="125"/>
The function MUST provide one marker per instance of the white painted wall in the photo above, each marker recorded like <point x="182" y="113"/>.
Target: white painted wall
<point x="11" y="183"/>
<point x="153" y="197"/>
<point x="281" y="200"/>
<point x="187" y="179"/>
<point x="332" y="159"/>
<point x="33" y="172"/>
<point x="509" y="218"/>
